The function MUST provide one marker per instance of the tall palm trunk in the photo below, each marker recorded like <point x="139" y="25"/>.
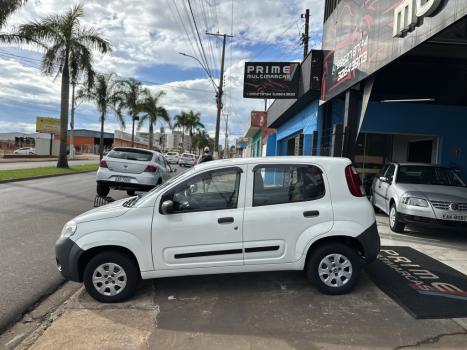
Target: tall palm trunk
<point x="65" y="100"/>
<point x="101" y="141"/>
<point x="151" y="135"/>
<point x="72" y="120"/>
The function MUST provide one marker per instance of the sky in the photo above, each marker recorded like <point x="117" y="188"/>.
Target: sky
<point x="146" y="38"/>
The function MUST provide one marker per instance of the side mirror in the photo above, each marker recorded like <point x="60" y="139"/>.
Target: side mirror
<point x="167" y="207"/>
<point x="383" y="178"/>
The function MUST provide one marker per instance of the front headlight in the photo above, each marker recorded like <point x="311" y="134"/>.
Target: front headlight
<point x="415" y="202"/>
<point x="69" y="229"/>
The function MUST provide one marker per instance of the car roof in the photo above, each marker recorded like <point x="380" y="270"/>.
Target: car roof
<point x="135" y="149"/>
<point x="272" y="160"/>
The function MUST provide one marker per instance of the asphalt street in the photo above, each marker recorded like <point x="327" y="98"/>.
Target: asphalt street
<point x="25" y="165"/>
<point x="31" y="217"/>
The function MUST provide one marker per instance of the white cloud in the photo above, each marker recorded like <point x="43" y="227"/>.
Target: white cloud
<point x="150" y="33"/>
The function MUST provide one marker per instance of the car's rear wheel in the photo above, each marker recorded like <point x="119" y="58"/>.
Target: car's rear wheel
<point x="130" y="192"/>
<point x="111" y="277"/>
<point x="102" y="190"/>
<point x="334" y="268"/>
<point x="394" y="223"/>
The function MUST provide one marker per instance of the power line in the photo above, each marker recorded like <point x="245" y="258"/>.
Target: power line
<point x="199" y="38"/>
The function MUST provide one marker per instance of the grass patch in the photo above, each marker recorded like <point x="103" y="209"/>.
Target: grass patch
<point x="16" y="174"/>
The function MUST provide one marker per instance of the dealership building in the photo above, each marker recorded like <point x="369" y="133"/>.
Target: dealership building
<point x="389" y="85"/>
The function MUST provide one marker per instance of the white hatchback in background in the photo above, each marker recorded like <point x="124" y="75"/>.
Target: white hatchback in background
<point x="187" y="159"/>
<point x="228" y="216"/>
<point x="172" y="157"/>
<point x="25" y="151"/>
<point x="131" y="169"/>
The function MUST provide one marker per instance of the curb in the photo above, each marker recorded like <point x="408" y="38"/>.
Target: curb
<point x="45" y="176"/>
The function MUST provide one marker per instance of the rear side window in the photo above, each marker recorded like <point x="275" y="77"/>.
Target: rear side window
<point x="130" y="154"/>
<point x="277" y="184"/>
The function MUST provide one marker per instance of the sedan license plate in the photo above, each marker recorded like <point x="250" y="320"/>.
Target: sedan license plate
<point x="454" y="217"/>
<point x="122" y="179"/>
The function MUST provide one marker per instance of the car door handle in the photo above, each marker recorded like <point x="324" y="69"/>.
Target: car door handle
<point x="311" y="213"/>
<point x="227" y="220"/>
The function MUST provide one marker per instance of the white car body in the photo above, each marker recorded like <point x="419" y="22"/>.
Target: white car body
<point x="131" y="169"/>
<point x="187" y="159"/>
<point x="260" y="230"/>
<point x="172" y="157"/>
<point x="25" y="151"/>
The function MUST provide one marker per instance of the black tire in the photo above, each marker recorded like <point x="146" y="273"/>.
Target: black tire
<point x="128" y="266"/>
<point x="102" y="190"/>
<point x="394" y="223"/>
<point x="316" y="259"/>
<point x="130" y="192"/>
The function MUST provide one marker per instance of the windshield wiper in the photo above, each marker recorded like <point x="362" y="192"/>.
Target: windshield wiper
<point x="131" y="202"/>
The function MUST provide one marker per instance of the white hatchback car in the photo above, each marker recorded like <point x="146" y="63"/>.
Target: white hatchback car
<point x="131" y="169"/>
<point x="172" y="157"/>
<point x="187" y="159"/>
<point x="228" y="216"/>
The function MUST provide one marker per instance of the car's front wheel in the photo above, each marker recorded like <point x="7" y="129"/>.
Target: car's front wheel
<point x="102" y="190"/>
<point x="111" y="277"/>
<point x="394" y="223"/>
<point x="334" y="268"/>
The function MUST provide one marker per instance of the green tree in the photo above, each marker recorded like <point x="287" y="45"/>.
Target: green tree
<point x="105" y="94"/>
<point x="202" y="139"/>
<point x="152" y="112"/>
<point x="131" y="92"/>
<point x="69" y="45"/>
<point x="7" y="7"/>
<point x="181" y="122"/>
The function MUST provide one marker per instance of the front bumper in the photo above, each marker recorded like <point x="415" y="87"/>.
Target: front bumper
<point x="430" y="222"/>
<point x="67" y="254"/>
<point x="371" y="243"/>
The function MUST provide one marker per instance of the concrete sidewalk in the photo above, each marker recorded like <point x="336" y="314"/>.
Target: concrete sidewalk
<point x="277" y="310"/>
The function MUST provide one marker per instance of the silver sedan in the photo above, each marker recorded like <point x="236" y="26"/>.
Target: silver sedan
<point x="421" y="194"/>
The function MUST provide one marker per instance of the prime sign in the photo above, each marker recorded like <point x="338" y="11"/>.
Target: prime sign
<point x="408" y="14"/>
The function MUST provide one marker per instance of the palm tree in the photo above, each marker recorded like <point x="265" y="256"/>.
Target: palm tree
<point x="7" y="8"/>
<point x="131" y="90"/>
<point x="181" y="122"/>
<point x="69" y="46"/>
<point x="106" y="95"/>
<point x="150" y="106"/>
<point x="202" y="139"/>
<point x="193" y="121"/>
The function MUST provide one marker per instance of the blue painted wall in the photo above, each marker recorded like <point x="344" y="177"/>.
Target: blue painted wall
<point x="306" y="121"/>
<point x="449" y="123"/>
<point x="271" y="145"/>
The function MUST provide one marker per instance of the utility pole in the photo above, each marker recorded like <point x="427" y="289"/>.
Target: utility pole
<point x="226" y="140"/>
<point x="220" y="91"/>
<point x="305" y="35"/>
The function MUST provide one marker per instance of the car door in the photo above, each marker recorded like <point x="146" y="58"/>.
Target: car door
<point x="282" y="202"/>
<point x="382" y="187"/>
<point x="204" y="229"/>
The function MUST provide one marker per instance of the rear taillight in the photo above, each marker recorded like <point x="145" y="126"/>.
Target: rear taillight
<point x="150" y="169"/>
<point x="354" y="182"/>
<point x="103" y="164"/>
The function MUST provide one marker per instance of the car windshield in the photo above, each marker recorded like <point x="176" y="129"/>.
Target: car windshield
<point x="130" y="154"/>
<point x="428" y="175"/>
<point x="185" y="155"/>
<point x="171" y="154"/>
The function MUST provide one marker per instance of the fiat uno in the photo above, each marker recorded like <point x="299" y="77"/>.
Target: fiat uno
<point x="228" y="216"/>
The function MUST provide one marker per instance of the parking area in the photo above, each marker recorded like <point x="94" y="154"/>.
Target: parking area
<point x="274" y="310"/>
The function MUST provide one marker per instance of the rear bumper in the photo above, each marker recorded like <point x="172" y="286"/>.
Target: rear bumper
<point x="370" y="241"/>
<point x="126" y="185"/>
<point x="430" y="222"/>
<point x="67" y="254"/>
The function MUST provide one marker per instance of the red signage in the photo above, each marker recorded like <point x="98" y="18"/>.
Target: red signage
<point x="259" y="119"/>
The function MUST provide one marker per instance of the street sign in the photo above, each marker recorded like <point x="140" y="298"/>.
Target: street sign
<point x="48" y="125"/>
<point x="271" y="80"/>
